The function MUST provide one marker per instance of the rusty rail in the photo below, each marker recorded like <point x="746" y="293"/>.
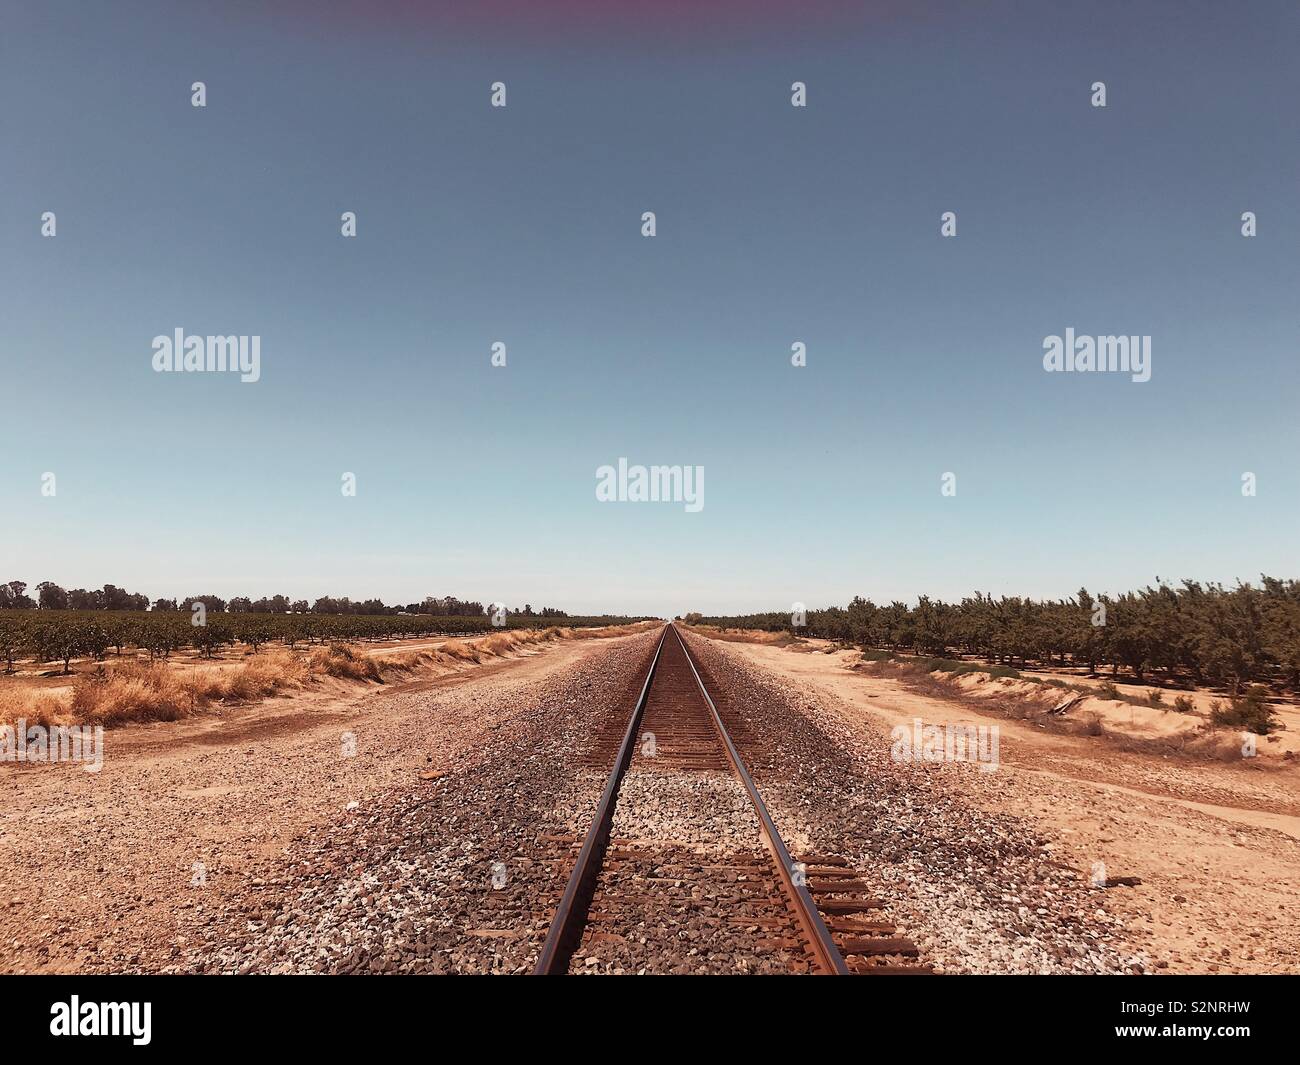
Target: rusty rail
<point x="566" y="929"/>
<point x="825" y="953"/>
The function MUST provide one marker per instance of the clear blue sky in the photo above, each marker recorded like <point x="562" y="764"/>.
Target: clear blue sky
<point x="523" y="225"/>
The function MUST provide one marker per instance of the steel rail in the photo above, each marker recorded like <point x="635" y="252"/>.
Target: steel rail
<point x="824" y="950"/>
<point x="567" y="925"/>
<point x="570" y="916"/>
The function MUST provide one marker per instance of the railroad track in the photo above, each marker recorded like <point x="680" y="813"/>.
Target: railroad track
<point x="809" y="913"/>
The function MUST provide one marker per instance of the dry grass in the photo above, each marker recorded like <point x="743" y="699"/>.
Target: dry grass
<point x="133" y="691"/>
<point x="346" y="663"/>
<point x="142" y="691"/>
<point x="33" y="706"/>
<point x="153" y="691"/>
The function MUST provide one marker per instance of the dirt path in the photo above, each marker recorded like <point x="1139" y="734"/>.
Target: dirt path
<point x="1216" y="846"/>
<point x="98" y="871"/>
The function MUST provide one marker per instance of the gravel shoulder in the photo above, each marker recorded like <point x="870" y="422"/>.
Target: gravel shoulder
<point x="977" y="891"/>
<point x="430" y="827"/>
<point x="192" y="833"/>
<point x="458" y="869"/>
<point x="1216" y="847"/>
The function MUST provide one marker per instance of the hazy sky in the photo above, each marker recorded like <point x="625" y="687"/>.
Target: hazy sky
<point x="523" y="225"/>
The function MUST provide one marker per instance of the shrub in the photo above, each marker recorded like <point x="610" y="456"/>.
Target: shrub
<point x="1251" y="712"/>
<point x="957" y="669"/>
<point x="1184" y="704"/>
<point x="1000" y="671"/>
<point x="1107" y="690"/>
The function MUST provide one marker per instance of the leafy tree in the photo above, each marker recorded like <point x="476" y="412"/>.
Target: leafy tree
<point x="51" y="597"/>
<point x="14" y="599"/>
<point x="81" y="599"/>
<point x="214" y="604"/>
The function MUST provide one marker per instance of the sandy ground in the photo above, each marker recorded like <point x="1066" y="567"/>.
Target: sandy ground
<point x="101" y="871"/>
<point x="1216" y="846"/>
<point x="1146" y="722"/>
<point x="285" y="835"/>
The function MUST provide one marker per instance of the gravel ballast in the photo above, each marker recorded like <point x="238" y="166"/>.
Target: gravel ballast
<point x="977" y="892"/>
<point x="454" y="873"/>
<point x="444" y="842"/>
